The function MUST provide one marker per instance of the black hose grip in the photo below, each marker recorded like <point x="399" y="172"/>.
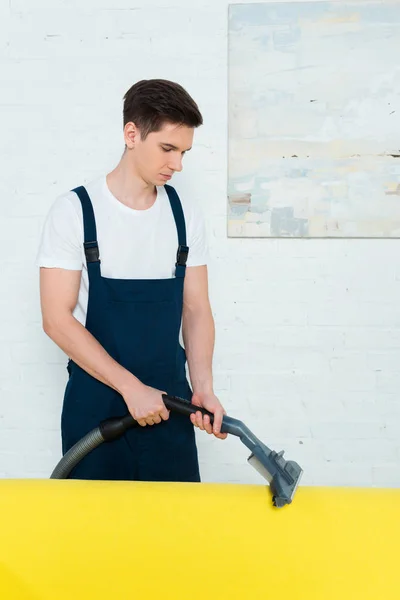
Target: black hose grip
<point x="111" y="429"/>
<point x="185" y="407"/>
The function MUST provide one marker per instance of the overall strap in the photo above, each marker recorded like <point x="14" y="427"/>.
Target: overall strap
<point x="183" y="249"/>
<point x="90" y="235"/>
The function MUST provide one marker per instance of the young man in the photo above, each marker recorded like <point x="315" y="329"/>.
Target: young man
<point x="122" y="267"/>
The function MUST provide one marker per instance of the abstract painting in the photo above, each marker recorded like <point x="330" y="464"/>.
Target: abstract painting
<point x="314" y="120"/>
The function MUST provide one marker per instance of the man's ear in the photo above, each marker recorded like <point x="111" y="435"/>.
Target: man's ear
<point x="131" y="135"/>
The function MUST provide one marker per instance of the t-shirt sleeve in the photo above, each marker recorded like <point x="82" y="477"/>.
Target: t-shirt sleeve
<point x="196" y="237"/>
<point x="62" y="235"/>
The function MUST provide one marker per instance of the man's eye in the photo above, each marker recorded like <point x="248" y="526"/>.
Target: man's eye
<point x="167" y="149"/>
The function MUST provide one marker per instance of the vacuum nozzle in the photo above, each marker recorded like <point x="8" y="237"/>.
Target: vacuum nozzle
<point x="283" y="476"/>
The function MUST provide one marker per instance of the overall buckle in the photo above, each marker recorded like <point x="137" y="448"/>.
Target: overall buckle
<point x="91" y="251"/>
<point x="182" y="255"/>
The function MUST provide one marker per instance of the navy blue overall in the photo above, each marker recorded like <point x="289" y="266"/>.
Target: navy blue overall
<point x="137" y="321"/>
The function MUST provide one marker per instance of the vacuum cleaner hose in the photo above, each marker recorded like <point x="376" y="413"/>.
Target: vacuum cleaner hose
<point x="112" y="429"/>
<point x="107" y="431"/>
<point x="283" y="476"/>
<point x="77" y="453"/>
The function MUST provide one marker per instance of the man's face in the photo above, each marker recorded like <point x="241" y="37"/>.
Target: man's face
<point x="160" y="155"/>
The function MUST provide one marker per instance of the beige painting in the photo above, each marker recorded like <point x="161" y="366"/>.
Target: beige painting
<point x="314" y="119"/>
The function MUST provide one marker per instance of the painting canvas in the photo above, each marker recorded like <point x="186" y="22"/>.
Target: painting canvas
<point x="314" y="120"/>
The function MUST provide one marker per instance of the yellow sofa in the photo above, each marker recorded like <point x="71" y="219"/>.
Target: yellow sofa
<point x="67" y="539"/>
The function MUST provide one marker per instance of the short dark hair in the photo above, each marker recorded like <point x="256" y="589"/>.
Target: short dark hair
<point x="150" y="103"/>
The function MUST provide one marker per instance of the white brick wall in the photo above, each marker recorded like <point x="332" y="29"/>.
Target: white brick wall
<point x="308" y="331"/>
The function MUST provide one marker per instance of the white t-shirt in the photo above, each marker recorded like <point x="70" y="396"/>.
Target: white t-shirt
<point x="133" y="244"/>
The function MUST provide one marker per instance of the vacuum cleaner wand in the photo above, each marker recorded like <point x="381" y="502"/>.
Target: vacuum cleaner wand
<point x="283" y="476"/>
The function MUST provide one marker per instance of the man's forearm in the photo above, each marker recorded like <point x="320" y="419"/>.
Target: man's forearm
<point x="198" y="332"/>
<point x="83" y="348"/>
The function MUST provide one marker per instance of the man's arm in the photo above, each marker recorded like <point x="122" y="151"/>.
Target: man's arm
<point x="198" y="332"/>
<point x="198" y="329"/>
<point x="59" y="290"/>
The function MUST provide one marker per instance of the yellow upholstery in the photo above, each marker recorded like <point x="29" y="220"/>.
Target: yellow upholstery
<point x="64" y="539"/>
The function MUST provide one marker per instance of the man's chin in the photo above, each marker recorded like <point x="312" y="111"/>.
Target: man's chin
<point x="163" y="179"/>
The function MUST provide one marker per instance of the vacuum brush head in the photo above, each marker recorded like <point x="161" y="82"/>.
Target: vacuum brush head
<point x="283" y="476"/>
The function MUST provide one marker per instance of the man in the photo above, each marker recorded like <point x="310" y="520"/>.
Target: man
<point x="122" y="266"/>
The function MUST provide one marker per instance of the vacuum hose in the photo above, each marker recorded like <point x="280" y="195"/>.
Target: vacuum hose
<point x="283" y="476"/>
<point x="107" y="431"/>
<point x="115" y="427"/>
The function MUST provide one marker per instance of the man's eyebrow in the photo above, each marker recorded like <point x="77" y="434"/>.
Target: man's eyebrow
<point x="174" y="147"/>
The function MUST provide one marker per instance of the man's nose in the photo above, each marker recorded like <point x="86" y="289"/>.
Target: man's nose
<point x="175" y="163"/>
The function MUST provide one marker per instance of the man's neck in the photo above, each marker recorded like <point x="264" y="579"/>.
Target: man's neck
<point x="129" y="188"/>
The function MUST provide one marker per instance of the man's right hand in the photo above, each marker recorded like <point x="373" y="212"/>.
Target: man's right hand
<point x="146" y="405"/>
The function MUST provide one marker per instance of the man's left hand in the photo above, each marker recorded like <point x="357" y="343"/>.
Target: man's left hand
<point x="210" y="402"/>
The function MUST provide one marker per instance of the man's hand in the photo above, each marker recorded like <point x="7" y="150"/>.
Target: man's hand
<point x="145" y="404"/>
<point x="210" y="402"/>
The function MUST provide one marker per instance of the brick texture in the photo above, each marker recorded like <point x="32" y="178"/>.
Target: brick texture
<point x="308" y="331"/>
